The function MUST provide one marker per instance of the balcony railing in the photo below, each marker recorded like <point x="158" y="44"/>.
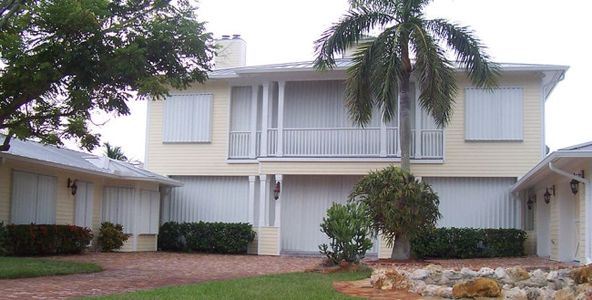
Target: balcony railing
<point x="338" y="142"/>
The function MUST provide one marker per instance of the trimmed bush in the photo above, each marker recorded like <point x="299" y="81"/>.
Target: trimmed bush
<point x="111" y="236"/>
<point x="469" y="243"/>
<point x="41" y="239"/>
<point x="230" y="238"/>
<point x="348" y="230"/>
<point x="3" y="239"/>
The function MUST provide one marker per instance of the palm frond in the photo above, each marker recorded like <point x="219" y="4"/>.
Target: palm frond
<point x="373" y="78"/>
<point x="347" y="32"/>
<point x="469" y="50"/>
<point x="435" y="75"/>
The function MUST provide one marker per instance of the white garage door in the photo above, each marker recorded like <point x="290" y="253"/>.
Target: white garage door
<point x="208" y="199"/>
<point x="305" y="200"/>
<point x="475" y="202"/>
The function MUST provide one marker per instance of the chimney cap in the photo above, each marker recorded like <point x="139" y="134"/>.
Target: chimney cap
<point x="225" y="36"/>
<point x="236" y="36"/>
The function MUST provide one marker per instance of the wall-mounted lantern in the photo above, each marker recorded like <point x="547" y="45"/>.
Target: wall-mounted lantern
<point x="72" y="185"/>
<point x="574" y="184"/>
<point x="547" y="195"/>
<point x="277" y="190"/>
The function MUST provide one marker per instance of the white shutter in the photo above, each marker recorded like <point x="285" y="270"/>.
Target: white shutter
<point x="154" y="212"/>
<point x="188" y="118"/>
<point x="33" y="198"/>
<point x="494" y="115"/>
<point x="119" y="206"/>
<point x="240" y="110"/>
<point x="84" y="204"/>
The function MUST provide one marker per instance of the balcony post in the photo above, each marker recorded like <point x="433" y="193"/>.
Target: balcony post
<point x="280" y="119"/>
<point x="264" y="118"/>
<point x="278" y="210"/>
<point x="383" y="146"/>
<point x="253" y="138"/>
<point x="251" y="206"/>
<point x="263" y="199"/>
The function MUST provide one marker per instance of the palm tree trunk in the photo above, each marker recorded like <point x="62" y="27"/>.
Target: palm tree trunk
<point x="405" y="107"/>
<point x="401" y="248"/>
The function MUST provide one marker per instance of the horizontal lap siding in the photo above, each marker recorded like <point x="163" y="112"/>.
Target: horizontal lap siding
<point x="209" y="199"/>
<point x="475" y="202"/>
<point x="194" y="158"/>
<point x="267" y="240"/>
<point x="146" y="243"/>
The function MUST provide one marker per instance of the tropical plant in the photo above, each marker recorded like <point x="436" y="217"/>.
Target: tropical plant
<point x="114" y="152"/>
<point x="111" y="236"/>
<point x="63" y="60"/>
<point x="348" y="229"/>
<point x="382" y="67"/>
<point x="398" y="205"/>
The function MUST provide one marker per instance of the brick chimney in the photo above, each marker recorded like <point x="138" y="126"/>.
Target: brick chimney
<point x="231" y="52"/>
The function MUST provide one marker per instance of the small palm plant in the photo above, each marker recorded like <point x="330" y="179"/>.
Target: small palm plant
<point x="382" y="67"/>
<point x="114" y="152"/>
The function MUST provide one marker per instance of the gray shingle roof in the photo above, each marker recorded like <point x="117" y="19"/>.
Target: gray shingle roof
<point x="82" y="161"/>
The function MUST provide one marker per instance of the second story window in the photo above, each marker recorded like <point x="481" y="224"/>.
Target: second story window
<point x="188" y="118"/>
<point x="494" y="115"/>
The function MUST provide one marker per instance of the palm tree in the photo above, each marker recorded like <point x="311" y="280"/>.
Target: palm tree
<point x="114" y="152"/>
<point x="382" y="67"/>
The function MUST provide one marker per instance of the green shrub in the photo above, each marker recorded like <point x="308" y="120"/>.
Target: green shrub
<point x="41" y="239"/>
<point x="3" y="239"/>
<point x="111" y="236"/>
<point x="231" y="238"/>
<point x="469" y="243"/>
<point x="348" y="230"/>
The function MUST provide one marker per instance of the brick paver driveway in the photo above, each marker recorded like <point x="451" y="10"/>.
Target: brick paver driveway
<point x="126" y="272"/>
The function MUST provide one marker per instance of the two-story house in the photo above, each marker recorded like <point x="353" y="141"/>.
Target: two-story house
<point x="273" y="145"/>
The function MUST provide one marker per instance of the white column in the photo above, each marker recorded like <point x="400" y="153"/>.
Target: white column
<point x="263" y="195"/>
<point x="383" y="146"/>
<point x="264" y="119"/>
<point x="253" y="144"/>
<point x="251" y="205"/>
<point x="418" y="114"/>
<point x="280" y="120"/>
<point x="277" y="221"/>
<point x="588" y="215"/>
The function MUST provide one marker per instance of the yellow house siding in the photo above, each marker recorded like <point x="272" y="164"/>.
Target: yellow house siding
<point x="146" y="242"/>
<point x="128" y="246"/>
<point x="581" y="215"/>
<point x="268" y="240"/>
<point x="461" y="158"/>
<point x="5" y="183"/>
<point x="530" y="243"/>
<point x="198" y="158"/>
<point x="384" y="251"/>
<point x="252" y="247"/>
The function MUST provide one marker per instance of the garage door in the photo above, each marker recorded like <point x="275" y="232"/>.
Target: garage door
<point x="305" y="200"/>
<point x="475" y="202"/>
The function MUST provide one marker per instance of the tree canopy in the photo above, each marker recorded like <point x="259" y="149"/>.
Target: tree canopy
<point x="62" y="60"/>
<point x="382" y="66"/>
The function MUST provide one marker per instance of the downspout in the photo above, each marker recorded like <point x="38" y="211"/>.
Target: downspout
<point x="588" y="207"/>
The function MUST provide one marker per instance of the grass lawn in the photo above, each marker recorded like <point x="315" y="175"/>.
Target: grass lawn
<point x="20" y="267"/>
<point x="283" y="286"/>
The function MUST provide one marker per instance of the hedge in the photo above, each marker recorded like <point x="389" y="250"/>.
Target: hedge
<point x="468" y="243"/>
<point x="42" y="239"/>
<point x="230" y="238"/>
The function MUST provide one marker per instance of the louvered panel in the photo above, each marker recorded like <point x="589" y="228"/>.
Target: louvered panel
<point x="305" y="200"/>
<point x="475" y="202"/>
<point x="119" y="207"/>
<point x="46" y="199"/>
<point x="240" y="108"/>
<point x="24" y="198"/>
<point x="209" y="199"/>
<point x="187" y="118"/>
<point x="494" y="115"/>
<point x="83" y="204"/>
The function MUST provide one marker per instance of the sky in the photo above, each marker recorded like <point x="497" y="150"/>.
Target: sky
<point x="519" y="31"/>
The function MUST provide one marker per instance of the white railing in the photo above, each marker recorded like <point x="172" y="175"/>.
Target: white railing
<point x="339" y="142"/>
<point x="323" y="142"/>
<point x="240" y="142"/>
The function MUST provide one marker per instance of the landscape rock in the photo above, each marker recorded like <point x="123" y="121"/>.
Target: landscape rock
<point x="451" y="275"/>
<point x="478" y="287"/>
<point x="499" y="273"/>
<point x="420" y="274"/>
<point x="565" y="294"/>
<point x="517" y="274"/>
<point x="468" y="273"/>
<point x="582" y="274"/>
<point x="486" y="272"/>
<point x="515" y="294"/>
<point x="387" y="279"/>
<point x="553" y="275"/>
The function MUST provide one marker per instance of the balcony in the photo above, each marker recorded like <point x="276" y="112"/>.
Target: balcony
<point x="282" y="139"/>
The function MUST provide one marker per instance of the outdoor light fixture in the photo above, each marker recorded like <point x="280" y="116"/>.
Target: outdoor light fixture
<point x="276" y="191"/>
<point x="574" y="184"/>
<point x="72" y="185"/>
<point x="547" y="195"/>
